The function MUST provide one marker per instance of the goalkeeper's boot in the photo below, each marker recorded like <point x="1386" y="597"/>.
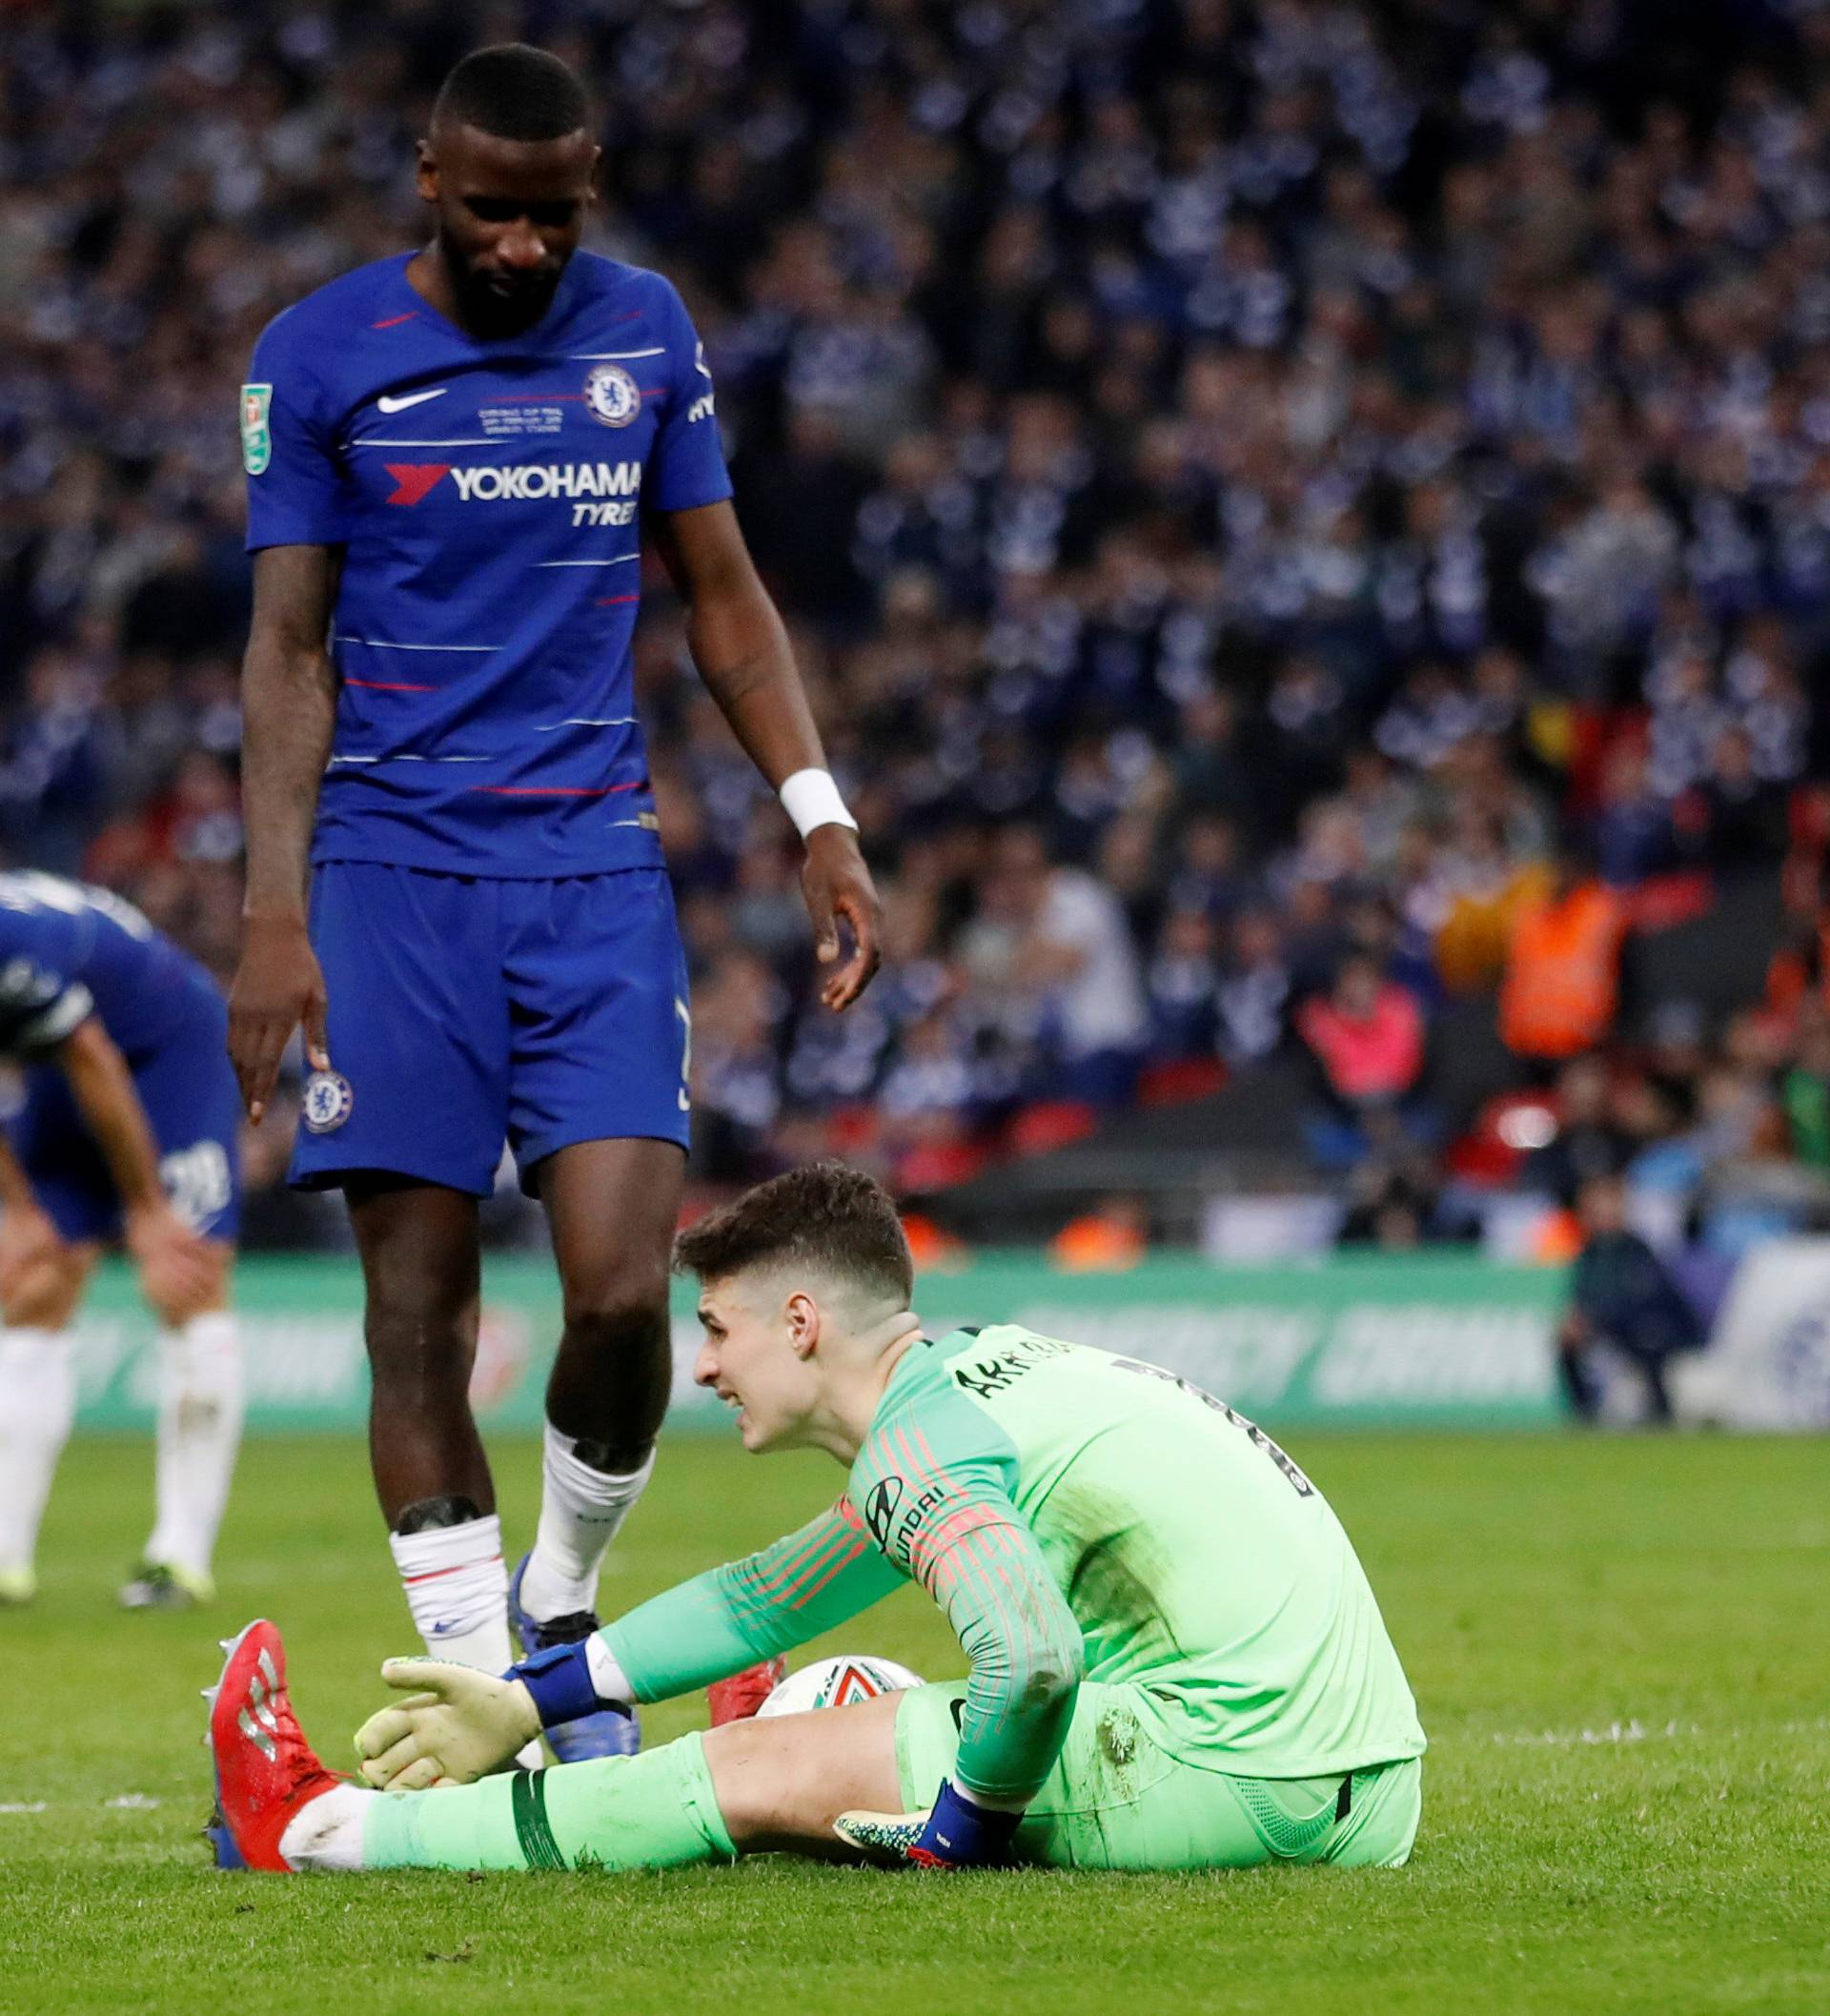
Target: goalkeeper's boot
<point x="266" y="1771"/>
<point x="17" y="1587"/>
<point x="609" y="1732"/>
<point x="162" y="1585"/>
<point x="737" y="1699"/>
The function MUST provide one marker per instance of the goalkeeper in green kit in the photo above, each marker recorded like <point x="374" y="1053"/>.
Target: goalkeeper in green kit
<point x="1175" y="1660"/>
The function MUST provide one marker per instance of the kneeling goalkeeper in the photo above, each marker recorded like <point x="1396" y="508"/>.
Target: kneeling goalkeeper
<point x="1176" y="1662"/>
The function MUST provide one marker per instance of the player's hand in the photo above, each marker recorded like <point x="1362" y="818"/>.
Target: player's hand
<point x="28" y="1241"/>
<point x="179" y="1269"/>
<point x="838" y="886"/>
<point x="955" y="1833"/>
<point x="278" y="987"/>
<point x="459" y="1725"/>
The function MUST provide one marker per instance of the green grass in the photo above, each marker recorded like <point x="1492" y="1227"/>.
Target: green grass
<point x="1622" y="1650"/>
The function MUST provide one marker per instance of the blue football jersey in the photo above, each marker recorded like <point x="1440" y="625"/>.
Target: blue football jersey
<point x="486" y="497"/>
<point x="68" y="951"/>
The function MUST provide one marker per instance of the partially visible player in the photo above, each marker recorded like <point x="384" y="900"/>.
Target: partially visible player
<point x="1176" y="1662"/>
<point x="126" y="1132"/>
<point x="454" y="456"/>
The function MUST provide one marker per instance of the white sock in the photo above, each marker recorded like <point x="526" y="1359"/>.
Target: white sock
<point x="458" y="1590"/>
<point x="37" y="1406"/>
<point x="581" y="1510"/>
<point x="200" y="1403"/>
<point x="327" y="1834"/>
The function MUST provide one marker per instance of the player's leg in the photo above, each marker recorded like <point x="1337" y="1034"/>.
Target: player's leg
<point x="749" y="1787"/>
<point x="191" y="1103"/>
<point x="44" y="1263"/>
<point x="597" y="1120"/>
<point x="421" y="1269"/>
<point x="410" y="1122"/>
<point x="612" y="1205"/>
<point x="38" y="1300"/>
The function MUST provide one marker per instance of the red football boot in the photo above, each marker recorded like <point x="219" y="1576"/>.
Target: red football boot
<point x="266" y="1771"/>
<point x="737" y="1699"/>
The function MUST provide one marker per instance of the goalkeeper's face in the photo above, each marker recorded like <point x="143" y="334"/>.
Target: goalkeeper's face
<point x="760" y="1357"/>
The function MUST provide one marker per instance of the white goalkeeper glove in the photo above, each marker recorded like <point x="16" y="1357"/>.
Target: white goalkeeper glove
<point x="460" y="1724"/>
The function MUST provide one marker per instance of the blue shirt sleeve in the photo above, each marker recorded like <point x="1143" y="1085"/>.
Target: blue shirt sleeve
<point x="687" y="465"/>
<point x="295" y="494"/>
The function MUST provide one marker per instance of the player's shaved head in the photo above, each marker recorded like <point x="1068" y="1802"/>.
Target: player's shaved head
<point x="507" y="170"/>
<point x="826" y="1218"/>
<point x="516" y="93"/>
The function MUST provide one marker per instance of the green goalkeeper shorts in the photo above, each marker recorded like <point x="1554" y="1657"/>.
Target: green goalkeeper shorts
<point x="1116" y="1800"/>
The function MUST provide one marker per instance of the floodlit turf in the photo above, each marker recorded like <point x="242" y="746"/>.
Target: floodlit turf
<point x="1621" y="1649"/>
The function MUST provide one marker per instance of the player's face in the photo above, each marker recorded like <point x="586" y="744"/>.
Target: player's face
<point x="749" y="1360"/>
<point x="509" y="216"/>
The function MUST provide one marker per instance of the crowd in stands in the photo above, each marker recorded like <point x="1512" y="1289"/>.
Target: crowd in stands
<point x="1293" y="516"/>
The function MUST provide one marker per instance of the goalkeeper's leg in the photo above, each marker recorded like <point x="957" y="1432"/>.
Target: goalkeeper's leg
<point x="749" y="1786"/>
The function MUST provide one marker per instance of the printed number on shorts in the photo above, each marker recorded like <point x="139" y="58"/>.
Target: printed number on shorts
<point x="197" y="1181"/>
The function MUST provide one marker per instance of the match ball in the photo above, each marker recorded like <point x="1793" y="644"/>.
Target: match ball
<point x="837" y="1683"/>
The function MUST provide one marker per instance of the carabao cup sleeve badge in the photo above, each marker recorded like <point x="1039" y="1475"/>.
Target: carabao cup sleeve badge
<point x="256" y="434"/>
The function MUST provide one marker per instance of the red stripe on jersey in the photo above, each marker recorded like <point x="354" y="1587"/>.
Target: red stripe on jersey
<point x="385" y="685"/>
<point x="393" y="321"/>
<point x="610" y="601"/>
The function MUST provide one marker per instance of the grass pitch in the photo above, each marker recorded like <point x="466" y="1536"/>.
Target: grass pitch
<point x="1620" y="1648"/>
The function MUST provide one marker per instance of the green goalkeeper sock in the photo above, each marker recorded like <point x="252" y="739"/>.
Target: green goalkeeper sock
<point x="654" y="1811"/>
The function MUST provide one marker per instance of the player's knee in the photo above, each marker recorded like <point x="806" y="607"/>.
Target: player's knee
<point x="208" y="1295"/>
<point x="610" y="1315"/>
<point x="44" y="1296"/>
<point x="422" y="1342"/>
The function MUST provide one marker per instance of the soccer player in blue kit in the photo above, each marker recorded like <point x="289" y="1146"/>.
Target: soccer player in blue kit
<point x="126" y="1128"/>
<point x="450" y="455"/>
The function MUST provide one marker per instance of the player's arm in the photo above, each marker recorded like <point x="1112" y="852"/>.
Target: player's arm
<point x="464" y="1723"/>
<point x="288" y="706"/>
<point x="720" y="1623"/>
<point x="176" y="1265"/>
<point x="974" y="1553"/>
<point x="741" y="646"/>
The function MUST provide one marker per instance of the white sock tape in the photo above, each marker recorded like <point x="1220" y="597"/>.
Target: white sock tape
<point x="811" y="798"/>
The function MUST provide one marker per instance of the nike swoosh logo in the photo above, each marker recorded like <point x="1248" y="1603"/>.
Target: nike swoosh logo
<point x="413" y="398"/>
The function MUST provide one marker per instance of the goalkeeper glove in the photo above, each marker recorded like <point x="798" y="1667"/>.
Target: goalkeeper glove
<point x="461" y="1724"/>
<point x="955" y="1833"/>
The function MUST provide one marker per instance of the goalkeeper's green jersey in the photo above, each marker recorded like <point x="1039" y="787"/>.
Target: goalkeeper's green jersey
<point x="1076" y="1515"/>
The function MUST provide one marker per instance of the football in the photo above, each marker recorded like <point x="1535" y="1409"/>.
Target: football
<point x="838" y="1683"/>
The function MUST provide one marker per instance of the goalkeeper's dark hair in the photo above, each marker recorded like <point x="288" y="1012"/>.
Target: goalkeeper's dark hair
<point x="514" y="92"/>
<point x="824" y="1216"/>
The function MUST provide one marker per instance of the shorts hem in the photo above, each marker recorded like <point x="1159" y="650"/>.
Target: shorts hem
<point x="340" y="1175"/>
<point x="527" y="1160"/>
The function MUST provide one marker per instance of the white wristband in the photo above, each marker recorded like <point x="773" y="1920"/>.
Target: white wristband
<point x="811" y="798"/>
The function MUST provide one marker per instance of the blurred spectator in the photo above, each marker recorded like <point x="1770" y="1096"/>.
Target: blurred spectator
<point x="1367" y="1036"/>
<point x="1562" y="981"/>
<point x="1622" y="1297"/>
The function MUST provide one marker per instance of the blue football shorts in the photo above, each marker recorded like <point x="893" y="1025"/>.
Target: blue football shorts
<point x="467" y="1010"/>
<point x="192" y="1106"/>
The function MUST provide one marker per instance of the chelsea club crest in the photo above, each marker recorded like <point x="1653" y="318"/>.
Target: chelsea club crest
<point x="611" y="395"/>
<point x="327" y="1100"/>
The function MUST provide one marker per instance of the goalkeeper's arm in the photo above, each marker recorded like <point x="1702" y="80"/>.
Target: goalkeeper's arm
<point x="718" y="1623"/>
